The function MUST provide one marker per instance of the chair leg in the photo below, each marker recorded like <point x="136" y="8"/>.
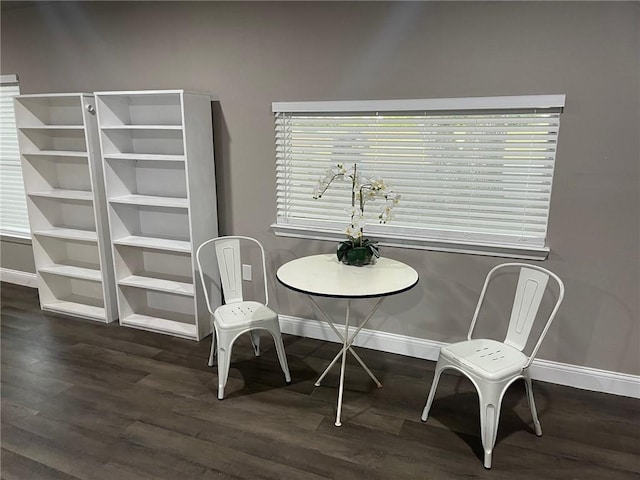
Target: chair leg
<point x="225" y="344"/>
<point x="532" y="404"/>
<point x="223" y="370"/>
<point x="432" y="393"/>
<point x="490" y="400"/>
<point x="255" y="341"/>
<point x="212" y="354"/>
<point x="282" y="356"/>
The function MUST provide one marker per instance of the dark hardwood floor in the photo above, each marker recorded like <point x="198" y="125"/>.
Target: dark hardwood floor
<point x="93" y="401"/>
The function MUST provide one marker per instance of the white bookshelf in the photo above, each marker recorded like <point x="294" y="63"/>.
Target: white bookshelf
<point x="157" y="153"/>
<point x="64" y="185"/>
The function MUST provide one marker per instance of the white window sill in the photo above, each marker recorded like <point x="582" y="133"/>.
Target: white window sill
<point x="525" y="253"/>
<point x="13" y="237"/>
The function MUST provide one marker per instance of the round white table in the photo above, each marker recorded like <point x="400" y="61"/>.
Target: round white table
<point x="325" y="276"/>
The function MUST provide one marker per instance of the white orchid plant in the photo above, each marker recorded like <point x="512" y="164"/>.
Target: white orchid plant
<point x="362" y="190"/>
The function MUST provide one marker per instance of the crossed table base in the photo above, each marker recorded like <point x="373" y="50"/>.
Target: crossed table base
<point x="324" y="276"/>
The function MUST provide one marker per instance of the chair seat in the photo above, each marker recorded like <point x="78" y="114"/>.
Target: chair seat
<point x="490" y="359"/>
<point x="234" y="314"/>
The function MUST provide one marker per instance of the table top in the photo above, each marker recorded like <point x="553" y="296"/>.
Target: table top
<point x="325" y="276"/>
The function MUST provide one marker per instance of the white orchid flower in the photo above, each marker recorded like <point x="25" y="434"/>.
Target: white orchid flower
<point x="359" y="222"/>
<point x="353" y="232"/>
<point x="385" y="214"/>
<point x="363" y="190"/>
<point x="377" y="184"/>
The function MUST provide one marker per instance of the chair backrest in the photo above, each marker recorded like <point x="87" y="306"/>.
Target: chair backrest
<point x="532" y="283"/>
<point x="228" y="257"/>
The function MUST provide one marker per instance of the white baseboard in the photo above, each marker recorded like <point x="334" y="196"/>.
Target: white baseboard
<point x="544" y="370"/>
<point x="586" y="378"/>
<point x="18" y="277"/>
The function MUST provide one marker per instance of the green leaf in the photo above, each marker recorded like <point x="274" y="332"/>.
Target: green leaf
<point x="342" y="250"/>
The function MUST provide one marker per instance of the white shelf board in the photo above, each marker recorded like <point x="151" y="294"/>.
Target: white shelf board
<point x="53" y="127"/>
<point x="68" y="233"/>
<point x="56" y="153"/>
<point x="75" y="309"/>
<point x="141" y="127"/>
<point x="160" y="325"/>
<point x="150" y="200"/>
<point x="47" y="96"/>
<point x="152" y="157"/>
<point x="73" y="272"/>
<point x="157" y="243"/>
<point x="140" y="93"/>
<point x="64" y="194"/>
<point x="159" y="284"/>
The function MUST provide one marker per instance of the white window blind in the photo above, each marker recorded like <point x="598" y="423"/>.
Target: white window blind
<point x="13" y="209"/>
<point x="471" y="172"/>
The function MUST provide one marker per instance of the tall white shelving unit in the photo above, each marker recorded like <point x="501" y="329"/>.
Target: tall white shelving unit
<point x="157" y="151"/>
<point x="64" y="186"/>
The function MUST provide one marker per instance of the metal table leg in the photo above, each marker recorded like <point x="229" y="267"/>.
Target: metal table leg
<point x="344" y="358"/>
<point x="347" y="342"/>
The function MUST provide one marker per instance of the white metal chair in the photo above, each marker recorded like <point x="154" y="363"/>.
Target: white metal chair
<point x="237" y="315"/>
<point x="492" y="366"/>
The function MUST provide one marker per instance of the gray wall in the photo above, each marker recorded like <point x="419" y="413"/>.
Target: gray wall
<point x="16" y="255"/>
<point x="250" y="54"/>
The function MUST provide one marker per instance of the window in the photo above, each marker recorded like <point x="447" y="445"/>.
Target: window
<point x="474" y="174"/>
<point x="13" y="208"/>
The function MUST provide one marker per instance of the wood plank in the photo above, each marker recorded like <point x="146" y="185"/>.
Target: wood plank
<point x="48" y="453"/>
<point x="215" y="457"/>
<point x="18" y="467"/>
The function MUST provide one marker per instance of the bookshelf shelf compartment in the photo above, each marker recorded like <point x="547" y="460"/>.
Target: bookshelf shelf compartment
<point x="58" y="212"/>
<point x="48" y="172"/>
<point x="141" y="109"/>
<point x="72" y="295"/>
<point x="163" y="265"/>
<point x="49" y="111"/>
<point x="143" y="141"/>
<point x="157" y="311"/>
<point x="147" y="178"/>
<point x="149" y="221"/>
<point x="45" y="140"/>
<point x="67" y="252"/>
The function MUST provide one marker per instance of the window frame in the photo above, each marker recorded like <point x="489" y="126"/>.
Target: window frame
<point x="16" y="235"/>
<point x="394" y="236"/>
